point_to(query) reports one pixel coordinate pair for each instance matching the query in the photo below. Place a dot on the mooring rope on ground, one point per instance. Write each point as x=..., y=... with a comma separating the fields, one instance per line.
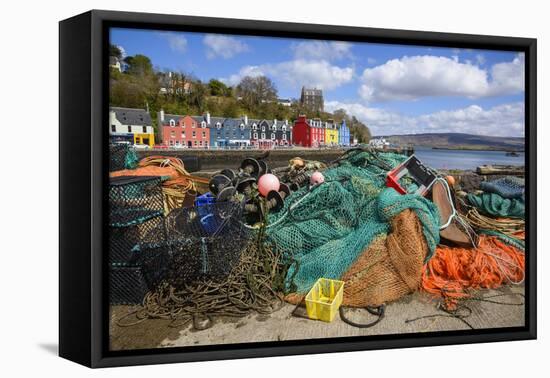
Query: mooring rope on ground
x=249, y=288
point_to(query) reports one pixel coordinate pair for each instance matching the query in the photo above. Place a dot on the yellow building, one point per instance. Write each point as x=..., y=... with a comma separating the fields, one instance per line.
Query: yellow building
x=331, y=134
x=129, y=123
x=141, y=138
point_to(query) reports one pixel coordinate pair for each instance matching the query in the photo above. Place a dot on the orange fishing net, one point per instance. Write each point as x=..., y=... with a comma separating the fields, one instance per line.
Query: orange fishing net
x=452, y=271
x=389, y=268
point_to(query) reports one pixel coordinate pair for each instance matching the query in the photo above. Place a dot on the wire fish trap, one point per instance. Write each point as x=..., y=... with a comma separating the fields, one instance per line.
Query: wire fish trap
x=127, y=285
x=194, y=244
x=134, y=199
x=122, y=156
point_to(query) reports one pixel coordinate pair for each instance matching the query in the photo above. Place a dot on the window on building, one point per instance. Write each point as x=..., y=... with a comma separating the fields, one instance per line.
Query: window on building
x=284, y=136
x=195, y=143
x=171, y=143
x=242, y=126
x=145, y=129
x=172, y=123
x=274, y=127
x=263, y=135
x=254, y=127
x=183, y=134
x=177, y=142
x=218, y=125
x=129, y=129
x=272, y=136
x=255, y=136
x=206, y=143
x=284, y=129
x=194, y=134
x=172, y=134
x=204, y=134
x=200, y=143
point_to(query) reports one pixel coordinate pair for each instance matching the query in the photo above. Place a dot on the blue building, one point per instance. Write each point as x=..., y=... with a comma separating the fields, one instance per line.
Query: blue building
x=344, y=138
x=226, y=132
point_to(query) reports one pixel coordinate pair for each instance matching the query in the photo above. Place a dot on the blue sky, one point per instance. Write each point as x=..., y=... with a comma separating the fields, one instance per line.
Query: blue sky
x=394, y=89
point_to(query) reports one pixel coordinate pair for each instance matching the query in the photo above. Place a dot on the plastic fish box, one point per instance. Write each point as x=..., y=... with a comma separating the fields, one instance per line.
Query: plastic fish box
x=324, y=299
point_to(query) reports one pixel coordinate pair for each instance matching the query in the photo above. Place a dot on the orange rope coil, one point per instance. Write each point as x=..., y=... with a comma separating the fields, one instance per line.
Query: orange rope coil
x=453, y=270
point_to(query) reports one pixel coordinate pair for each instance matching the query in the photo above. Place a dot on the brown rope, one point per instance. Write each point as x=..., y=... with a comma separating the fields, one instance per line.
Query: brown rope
x=248, y=288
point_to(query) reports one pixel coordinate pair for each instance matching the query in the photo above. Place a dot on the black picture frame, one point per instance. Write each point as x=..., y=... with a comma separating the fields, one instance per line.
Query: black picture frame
x=83, y=110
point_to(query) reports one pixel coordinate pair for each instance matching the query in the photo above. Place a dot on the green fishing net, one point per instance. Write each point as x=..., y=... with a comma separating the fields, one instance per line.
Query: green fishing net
x=324, y=229
x=495, y=205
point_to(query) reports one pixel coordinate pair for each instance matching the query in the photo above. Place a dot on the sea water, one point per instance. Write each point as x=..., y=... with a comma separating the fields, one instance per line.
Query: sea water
x=465, y=159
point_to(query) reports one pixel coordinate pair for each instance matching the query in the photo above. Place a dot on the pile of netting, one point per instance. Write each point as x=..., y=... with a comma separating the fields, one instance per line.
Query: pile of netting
x=326, y=228
x=454, y=271
x=504, y=197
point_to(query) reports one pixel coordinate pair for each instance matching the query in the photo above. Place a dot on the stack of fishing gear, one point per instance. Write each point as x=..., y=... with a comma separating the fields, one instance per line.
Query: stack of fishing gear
x=179, y=187
x=135, y=209
x=497, y=214
x=122, y=156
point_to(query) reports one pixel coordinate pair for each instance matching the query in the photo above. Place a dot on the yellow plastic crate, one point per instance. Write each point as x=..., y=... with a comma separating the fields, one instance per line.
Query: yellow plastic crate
x=324, y=299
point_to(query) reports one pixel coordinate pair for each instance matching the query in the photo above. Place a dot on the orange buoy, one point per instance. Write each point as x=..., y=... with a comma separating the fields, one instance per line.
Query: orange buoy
x=450, y=179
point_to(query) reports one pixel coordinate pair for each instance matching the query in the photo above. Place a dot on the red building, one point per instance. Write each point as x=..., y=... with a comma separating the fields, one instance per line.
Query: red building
x=182, y=131
x=308, y=133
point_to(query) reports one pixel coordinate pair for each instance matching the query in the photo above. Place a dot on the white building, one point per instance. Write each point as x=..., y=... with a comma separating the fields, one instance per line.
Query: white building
x=131, y=123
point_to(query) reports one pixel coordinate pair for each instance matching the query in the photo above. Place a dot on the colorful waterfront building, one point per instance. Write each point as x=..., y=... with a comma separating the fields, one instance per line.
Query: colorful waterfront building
x=267, y=134
x=182, y=131
x=344, y=135
x=308, y=133
x=331, y=133
x=131, y=125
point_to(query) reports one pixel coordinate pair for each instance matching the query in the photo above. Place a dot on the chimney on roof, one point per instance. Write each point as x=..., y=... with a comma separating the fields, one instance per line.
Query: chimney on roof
x=162, y=115
x=245, y=119
x=208, y=118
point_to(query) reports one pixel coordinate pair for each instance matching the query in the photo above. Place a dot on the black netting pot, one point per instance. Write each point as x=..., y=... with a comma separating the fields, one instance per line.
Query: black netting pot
x=121, y=156
x=198, y=243
x=127, y=285
x=123, y=241
x=134, y=199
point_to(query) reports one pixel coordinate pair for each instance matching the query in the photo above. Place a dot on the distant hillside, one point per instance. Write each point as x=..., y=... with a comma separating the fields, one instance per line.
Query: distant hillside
x=459, y=141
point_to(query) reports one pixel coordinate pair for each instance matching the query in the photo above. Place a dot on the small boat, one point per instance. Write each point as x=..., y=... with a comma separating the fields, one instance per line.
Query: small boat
x=512, y=153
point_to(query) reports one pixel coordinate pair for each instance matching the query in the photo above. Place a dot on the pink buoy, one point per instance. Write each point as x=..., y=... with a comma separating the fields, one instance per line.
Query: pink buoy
x=267, y=183
x=316, y=178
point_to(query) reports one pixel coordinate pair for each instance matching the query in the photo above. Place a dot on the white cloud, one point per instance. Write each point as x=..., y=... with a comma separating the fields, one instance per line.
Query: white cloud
x=480, y=59
x=323, y=50
x=295, y=73
x=177, y=42
x=122, y=52
x=410, y=78
x=500, y=120
x=508, y=77
x=223, y=46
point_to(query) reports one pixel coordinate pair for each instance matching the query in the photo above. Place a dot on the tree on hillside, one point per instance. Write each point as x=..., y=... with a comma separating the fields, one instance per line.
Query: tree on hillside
x=256, y=90
x=139, y=65
x=359, y=130
x=217, y=88
x=114, y=50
